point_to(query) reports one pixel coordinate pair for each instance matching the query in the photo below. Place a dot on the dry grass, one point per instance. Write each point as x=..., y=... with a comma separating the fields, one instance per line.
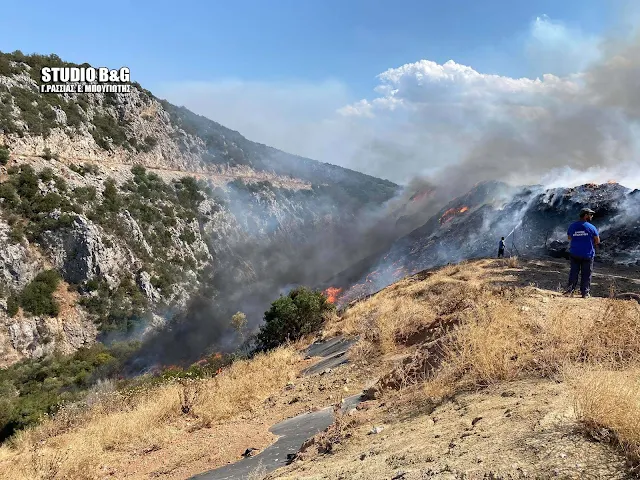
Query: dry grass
x=474, y=334
x=120, y=424
x=401, y=313
x=503, y=343
x=608, y=404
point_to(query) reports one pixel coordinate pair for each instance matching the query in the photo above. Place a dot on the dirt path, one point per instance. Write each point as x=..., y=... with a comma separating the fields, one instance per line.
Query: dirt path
x=215, y=177
x=551, y=274
x=292, y=433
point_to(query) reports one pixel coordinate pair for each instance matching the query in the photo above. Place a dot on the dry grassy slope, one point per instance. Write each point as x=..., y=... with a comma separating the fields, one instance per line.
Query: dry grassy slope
x=503, y=380
x=490, y=381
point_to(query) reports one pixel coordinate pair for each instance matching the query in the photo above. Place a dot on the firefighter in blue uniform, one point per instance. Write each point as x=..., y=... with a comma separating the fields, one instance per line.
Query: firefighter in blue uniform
x=583, y=238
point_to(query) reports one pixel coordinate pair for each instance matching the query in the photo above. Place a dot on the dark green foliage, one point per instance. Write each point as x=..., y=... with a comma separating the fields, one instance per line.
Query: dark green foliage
x=46, y=175
x=85, y=195
x=37, y=296
x=33, y=388
x=149, y=143
x=47, y=155
x=111, y=200
x=26, y=183
x=6, y=68
x=117, y=310
x=9, y=196
x=189, y=194
x=290, y=317
x=7, y=123
x=13, y=304
x=4, y=154
x=31, y=105
x=74, y=117
x=106, y=127
x=188, y=237
x=16, y=234
x=61, y=184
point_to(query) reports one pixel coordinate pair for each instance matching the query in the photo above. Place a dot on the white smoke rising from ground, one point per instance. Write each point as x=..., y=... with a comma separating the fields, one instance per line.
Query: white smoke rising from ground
x=555, y=130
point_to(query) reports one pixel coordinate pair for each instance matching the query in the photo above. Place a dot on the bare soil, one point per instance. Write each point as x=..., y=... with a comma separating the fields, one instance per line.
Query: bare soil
x=524, y=429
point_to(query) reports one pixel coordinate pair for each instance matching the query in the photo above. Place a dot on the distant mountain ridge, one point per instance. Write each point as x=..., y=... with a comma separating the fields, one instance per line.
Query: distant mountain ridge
x=152, y=131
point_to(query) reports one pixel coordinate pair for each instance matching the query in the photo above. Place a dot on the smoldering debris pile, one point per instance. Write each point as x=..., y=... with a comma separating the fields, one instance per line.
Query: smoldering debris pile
x=533, y=220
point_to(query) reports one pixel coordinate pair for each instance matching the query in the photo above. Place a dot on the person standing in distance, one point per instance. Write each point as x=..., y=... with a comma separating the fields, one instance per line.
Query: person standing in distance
x=583, y=238
x=501, y=247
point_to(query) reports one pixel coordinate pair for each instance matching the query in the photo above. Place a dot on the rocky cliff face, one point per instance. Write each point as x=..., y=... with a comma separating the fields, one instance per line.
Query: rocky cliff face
x=140, y=205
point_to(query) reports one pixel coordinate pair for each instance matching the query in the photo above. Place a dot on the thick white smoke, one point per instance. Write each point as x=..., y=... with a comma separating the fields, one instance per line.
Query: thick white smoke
x=460, y=126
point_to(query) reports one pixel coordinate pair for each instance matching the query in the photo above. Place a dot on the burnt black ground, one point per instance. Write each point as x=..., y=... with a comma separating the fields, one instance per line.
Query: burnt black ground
x=553, y=274
x=533, y=220
x=292, y=433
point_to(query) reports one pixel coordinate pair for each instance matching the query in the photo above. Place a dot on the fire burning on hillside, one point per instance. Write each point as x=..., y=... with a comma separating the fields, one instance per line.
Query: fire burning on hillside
x=452, y=212
x=332, y=294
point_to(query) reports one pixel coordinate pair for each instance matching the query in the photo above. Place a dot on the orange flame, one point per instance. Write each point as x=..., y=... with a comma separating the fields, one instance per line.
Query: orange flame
x=332, y=294
x=449, y=214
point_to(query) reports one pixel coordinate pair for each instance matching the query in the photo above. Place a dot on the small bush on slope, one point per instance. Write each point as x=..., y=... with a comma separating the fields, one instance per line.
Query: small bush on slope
x=4, y=155
x=290, y=317
x=37, y=296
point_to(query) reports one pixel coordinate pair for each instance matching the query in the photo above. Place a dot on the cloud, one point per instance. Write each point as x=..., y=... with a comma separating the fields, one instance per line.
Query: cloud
x=459, y=126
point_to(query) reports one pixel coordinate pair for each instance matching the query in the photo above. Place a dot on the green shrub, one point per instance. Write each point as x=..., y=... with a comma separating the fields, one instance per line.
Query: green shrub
x=106, y=127
x=111, y=199
x=4, y=154
x=26, y=182
x=117, y=310
x=47, y=155
x=16, y=234
x=188, y=237
x=290, y=317
x=46, y=175
x=37, y=296
x=13, y=304
x=31, y=388
x=84, y=195
x=149, y=143
x=9, y=194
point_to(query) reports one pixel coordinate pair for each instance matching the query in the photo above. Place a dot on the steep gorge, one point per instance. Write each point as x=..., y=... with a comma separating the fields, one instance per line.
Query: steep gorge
x=153, y=215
